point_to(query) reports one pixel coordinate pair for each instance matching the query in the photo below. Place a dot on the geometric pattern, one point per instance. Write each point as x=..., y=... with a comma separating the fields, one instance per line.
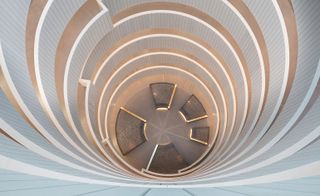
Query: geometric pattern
x=62, y=63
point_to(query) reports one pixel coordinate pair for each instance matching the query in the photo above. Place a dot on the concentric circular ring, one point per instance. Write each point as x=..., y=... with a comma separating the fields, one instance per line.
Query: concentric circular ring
x=69, y=68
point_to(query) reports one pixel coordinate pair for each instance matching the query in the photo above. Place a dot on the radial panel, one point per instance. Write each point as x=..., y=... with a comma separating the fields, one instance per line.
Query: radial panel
x=192, y=110
x=162, y=94
x=200, y=134
x=167, y=160
x=130, y=131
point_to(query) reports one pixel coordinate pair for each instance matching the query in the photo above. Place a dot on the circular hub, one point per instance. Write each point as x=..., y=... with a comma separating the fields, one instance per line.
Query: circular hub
x=162, y=130
x=165, y=124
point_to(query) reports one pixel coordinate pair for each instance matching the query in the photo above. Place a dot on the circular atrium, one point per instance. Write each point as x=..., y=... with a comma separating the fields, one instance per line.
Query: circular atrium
x=166, y=97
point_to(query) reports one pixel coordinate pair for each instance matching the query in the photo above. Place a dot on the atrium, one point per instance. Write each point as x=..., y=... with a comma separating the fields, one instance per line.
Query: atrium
x=160, y=97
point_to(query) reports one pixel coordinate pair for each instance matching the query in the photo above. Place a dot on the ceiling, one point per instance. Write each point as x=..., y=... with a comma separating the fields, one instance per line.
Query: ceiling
x=67, y=66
